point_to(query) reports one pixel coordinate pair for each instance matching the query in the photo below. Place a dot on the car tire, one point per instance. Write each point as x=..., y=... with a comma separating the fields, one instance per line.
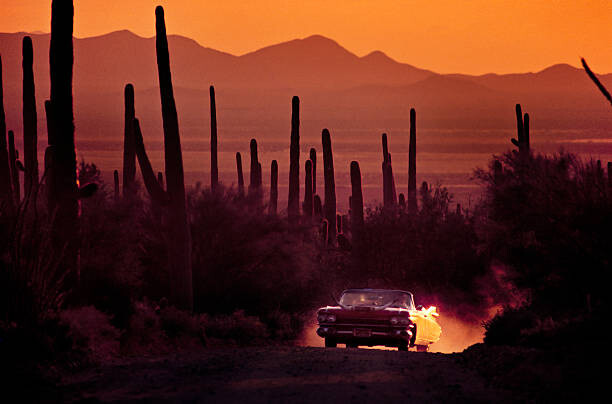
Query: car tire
x=403, y=347
x=352, y=345
x=422, y=348
x=330, y=343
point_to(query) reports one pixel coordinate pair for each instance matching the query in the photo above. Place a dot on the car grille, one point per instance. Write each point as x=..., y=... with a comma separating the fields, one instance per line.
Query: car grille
x=361, y=321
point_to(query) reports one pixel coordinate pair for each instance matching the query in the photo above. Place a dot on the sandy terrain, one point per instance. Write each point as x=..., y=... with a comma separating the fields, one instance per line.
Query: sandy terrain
x=283, y=374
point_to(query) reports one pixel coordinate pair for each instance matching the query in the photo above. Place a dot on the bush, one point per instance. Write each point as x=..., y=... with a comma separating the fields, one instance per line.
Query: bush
x=236, y=328
x=433, y=254
x=508, y=326
x=246, y=260
x=547, y=219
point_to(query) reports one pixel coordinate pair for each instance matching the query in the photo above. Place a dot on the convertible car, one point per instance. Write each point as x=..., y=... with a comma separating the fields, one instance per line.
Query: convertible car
x=370, y=317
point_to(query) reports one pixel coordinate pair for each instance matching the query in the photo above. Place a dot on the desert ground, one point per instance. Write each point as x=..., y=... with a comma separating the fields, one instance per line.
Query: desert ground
x=283, y=374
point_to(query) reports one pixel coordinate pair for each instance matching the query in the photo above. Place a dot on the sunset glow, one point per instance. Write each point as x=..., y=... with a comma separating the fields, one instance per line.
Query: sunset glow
x=446, y=36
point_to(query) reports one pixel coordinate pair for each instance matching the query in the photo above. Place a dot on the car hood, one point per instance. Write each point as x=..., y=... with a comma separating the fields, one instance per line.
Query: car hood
x=364, y=312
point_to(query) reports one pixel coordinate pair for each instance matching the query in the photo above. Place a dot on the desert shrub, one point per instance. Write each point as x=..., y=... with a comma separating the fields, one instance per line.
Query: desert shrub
x=547, y=219
x=434, y=254
x=110, y=249
x=246, y=260
x=507, y=326
x=237, y=327
x=93, y=331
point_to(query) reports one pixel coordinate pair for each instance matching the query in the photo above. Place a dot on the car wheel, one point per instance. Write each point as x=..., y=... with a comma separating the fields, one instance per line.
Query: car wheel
x=330, y=343
x=422, y=348
x=403, y=347
x=352, y=345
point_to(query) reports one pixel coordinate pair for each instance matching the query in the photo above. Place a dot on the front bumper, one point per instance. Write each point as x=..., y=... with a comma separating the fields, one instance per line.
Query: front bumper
x=366, y=335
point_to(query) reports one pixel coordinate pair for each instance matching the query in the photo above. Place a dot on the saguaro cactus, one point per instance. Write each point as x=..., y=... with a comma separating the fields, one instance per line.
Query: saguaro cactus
x=402, y=201
x=273, y=187
x=214, y=167
x=240, y=175
x=313, y=158
x=62, y=185
x=293, y=203
x=318, y=206
x=116, y=182
x=129, y=152
x=30, y=135
x=356, y=203
x=308, y=195
x=255, y=180
x=412, y=194
x=522, y=128
x=324, y=232
x=13, y=165
x=181, y=288
x=160, y=179
x=330, y=184
x=389, y=195
x=6, y=191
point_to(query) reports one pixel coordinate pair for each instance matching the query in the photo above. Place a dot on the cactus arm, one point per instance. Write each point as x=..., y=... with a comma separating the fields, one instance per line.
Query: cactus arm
x=152, y=185
x=595, y=80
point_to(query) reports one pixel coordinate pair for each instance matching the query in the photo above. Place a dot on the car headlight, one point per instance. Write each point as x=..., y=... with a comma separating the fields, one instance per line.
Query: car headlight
x=394, y=320
x=321, y=318
x=331, y=318
x=404, y=321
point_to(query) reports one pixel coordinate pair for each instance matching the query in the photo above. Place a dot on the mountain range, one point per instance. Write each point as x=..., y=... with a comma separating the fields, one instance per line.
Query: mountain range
x=338, y=89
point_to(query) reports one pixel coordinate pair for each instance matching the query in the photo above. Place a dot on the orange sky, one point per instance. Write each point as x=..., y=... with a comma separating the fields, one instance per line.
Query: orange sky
x=467, y=36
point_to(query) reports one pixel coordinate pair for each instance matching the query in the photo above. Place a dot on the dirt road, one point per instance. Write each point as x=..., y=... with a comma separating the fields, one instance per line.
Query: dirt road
x=283, y=374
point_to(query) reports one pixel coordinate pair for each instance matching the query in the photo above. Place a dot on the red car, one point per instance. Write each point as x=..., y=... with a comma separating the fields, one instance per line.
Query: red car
x=371, y=317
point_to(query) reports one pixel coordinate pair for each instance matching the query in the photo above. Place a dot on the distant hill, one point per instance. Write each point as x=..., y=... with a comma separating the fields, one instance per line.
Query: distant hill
x=338, y=89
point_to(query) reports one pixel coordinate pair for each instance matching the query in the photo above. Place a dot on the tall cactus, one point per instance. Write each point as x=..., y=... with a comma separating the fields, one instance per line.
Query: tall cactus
x=389, y=196
x=116, y=183
x=179, y=254
x=6, y=190
x=318, y=206
x=160, y=179
x=356, y=203
x=522, y=128
x=240, y=175
x=62, y=183
x=273, y=188
x=330, y=184
x=308, y=195
x=412, y=193
x=313, y=158
x=255, y=175
x=392, y=182
x=13, y=165
x=293, y=203
x=30, y=135
x=526, y=130
x=129, y=152
x=214, y=167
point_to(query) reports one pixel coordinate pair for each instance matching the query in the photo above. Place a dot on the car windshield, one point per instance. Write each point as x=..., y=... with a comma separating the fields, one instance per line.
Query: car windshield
x=377, y=299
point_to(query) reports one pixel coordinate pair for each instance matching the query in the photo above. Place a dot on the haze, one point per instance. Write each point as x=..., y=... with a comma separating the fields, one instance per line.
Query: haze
x=475, y=37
